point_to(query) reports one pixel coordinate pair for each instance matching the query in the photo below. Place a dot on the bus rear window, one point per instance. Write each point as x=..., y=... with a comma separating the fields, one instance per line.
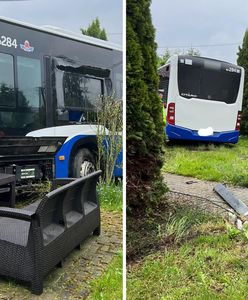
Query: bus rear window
x=208, y=80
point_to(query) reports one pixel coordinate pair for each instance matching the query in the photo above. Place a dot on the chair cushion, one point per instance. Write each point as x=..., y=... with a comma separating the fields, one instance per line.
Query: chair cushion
x=51, y=232
x=72, y=217
x=89, y=207
x=14, y=231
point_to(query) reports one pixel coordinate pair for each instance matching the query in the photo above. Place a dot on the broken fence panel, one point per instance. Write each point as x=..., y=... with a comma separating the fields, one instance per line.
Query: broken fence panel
x=234, y=202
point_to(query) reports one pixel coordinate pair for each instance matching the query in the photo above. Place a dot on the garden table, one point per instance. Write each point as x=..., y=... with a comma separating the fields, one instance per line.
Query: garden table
x=7, y=190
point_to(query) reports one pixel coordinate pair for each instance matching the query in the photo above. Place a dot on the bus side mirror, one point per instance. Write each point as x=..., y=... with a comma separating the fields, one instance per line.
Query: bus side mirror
x=165, y=104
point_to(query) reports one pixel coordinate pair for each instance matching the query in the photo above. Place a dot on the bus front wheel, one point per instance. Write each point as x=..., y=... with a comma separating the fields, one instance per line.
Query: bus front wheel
x=83, y=164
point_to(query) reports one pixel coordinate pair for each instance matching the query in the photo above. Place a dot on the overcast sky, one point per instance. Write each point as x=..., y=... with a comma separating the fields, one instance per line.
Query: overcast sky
x=201, y=22
x=68, y=14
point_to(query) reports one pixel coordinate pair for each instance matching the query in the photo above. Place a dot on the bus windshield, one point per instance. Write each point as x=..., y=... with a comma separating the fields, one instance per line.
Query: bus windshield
x=22, y=108
x=207, y=79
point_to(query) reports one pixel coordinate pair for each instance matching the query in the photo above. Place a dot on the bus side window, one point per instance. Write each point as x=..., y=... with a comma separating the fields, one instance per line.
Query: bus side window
x=81, y=91
x=7, y=92
x=108, y=86
x=164, y=82
x=78, y=91
x=82, y=96
x=31, y=113
x=118, y=83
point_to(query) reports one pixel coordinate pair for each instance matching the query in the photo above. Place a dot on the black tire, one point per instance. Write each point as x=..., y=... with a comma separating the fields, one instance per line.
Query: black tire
x=83, y=155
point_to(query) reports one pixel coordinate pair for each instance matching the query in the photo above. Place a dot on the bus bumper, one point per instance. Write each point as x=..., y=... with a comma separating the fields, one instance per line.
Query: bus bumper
x=174, y=132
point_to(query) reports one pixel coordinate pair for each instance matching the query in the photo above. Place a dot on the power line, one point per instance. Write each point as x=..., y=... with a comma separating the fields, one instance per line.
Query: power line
x=114, y=33
x=200, y=46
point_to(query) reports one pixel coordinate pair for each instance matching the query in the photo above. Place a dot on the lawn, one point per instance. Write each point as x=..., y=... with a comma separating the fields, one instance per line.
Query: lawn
x=199, y=258
x=178, y=252
x=224, y=163
x=109, y=285
x=110, y=196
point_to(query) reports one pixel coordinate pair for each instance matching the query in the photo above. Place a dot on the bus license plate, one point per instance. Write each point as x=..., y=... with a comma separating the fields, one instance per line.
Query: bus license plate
x=27, y=173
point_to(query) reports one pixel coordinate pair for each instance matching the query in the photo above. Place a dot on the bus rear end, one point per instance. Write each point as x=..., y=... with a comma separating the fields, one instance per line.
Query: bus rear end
x=204, y=100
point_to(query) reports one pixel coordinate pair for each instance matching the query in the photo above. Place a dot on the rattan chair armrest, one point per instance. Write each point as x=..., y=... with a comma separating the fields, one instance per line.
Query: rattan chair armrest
x=16, y=213
x=60, y=182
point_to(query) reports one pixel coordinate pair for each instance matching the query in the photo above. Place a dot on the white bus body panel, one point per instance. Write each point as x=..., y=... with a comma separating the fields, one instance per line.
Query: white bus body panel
x=68, y=131
x=200, y=114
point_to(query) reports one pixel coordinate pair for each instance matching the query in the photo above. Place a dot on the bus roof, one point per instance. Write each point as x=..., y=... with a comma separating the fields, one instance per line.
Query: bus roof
x=64, y=33
x=193, y=56
x=203, y=57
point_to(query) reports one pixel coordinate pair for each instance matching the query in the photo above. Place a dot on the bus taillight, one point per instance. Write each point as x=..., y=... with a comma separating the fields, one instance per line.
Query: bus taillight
x=171, y=113
x=238, y=121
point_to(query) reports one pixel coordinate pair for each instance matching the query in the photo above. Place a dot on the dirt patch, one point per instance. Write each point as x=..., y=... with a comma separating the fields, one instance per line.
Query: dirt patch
x=143, y=236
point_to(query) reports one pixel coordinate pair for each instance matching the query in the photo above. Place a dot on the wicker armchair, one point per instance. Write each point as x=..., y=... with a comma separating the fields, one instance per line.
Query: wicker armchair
x=35, y=239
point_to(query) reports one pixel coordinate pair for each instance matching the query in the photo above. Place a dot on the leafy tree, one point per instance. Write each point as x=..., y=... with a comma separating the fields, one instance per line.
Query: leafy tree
x=194, y=52
x=145, y=134
x=94, y=30
x=243, y=61
x=163, y=58
x=109, y=128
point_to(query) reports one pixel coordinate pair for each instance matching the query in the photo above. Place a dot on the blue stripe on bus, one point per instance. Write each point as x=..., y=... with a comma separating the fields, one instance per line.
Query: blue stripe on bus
x=118, y=166
x=174, y=132
x=62, y=166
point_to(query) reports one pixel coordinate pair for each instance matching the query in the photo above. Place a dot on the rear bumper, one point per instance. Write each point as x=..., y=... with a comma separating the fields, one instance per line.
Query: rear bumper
x=174, y=132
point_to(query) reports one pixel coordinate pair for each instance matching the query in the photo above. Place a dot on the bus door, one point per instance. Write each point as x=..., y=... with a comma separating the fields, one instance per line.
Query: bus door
x=164, y=74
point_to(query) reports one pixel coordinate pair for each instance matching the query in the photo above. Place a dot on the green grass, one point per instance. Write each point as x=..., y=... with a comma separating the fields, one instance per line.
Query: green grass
x=184, y=253
x=178, y=225
x=166, y=225
x=209, y=263
x=110, y=196
x=224, y=163
x=109, y=285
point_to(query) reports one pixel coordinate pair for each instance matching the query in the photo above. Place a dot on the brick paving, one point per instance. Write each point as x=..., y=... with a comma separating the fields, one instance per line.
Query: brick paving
x=79, y=269
x=200, y=194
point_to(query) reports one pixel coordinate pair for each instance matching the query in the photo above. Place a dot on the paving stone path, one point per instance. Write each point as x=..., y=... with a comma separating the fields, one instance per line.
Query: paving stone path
x=80, y=267
x=200, y=194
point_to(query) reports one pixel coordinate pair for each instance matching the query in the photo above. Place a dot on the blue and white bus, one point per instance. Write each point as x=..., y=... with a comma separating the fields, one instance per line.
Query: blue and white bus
x=51, y=81
x=203, y=97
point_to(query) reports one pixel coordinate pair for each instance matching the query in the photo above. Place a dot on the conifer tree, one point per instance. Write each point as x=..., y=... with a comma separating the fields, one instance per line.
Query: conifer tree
x=145, y=133
x=94, y=30
x=243, y=61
